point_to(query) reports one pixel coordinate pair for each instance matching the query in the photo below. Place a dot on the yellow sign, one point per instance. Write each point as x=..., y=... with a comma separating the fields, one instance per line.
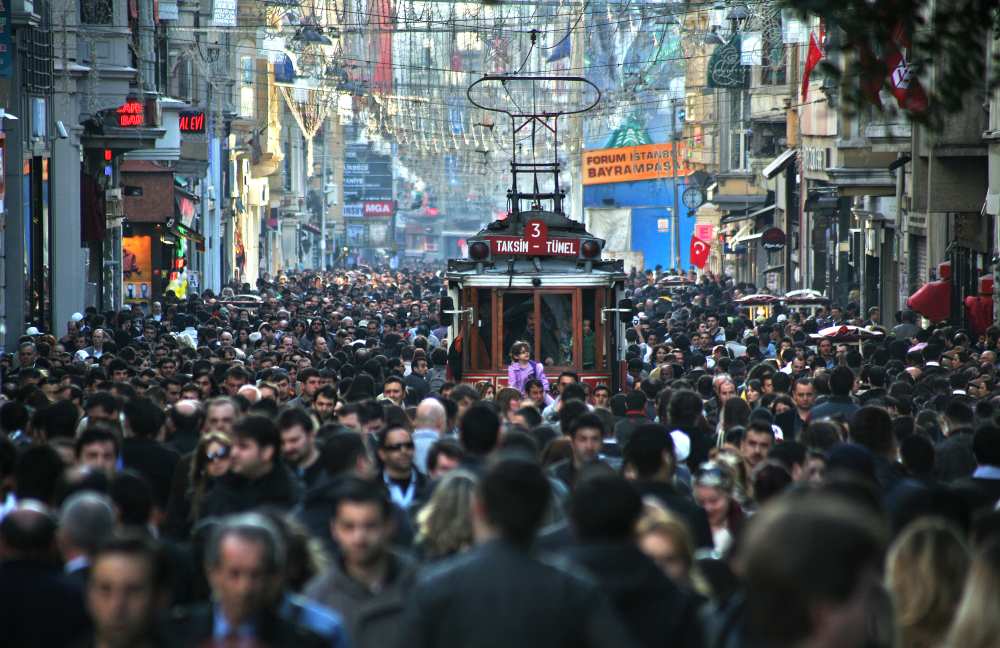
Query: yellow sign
x=631, y=163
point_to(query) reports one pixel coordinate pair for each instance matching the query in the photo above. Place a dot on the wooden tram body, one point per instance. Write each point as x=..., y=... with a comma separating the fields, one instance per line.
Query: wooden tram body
x=537, y=276
x=565, y=306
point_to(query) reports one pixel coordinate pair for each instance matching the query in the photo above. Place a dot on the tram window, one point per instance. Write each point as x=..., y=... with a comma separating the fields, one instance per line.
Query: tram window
x=518, y=321
x=483, y=330
x=590, y=318
x=555, y=331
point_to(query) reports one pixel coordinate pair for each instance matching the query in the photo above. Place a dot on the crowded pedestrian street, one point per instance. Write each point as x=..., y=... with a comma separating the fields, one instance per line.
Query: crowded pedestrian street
x=499, y=324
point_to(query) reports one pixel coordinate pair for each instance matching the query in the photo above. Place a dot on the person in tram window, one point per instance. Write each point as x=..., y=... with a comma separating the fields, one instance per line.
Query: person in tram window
x=522, y=368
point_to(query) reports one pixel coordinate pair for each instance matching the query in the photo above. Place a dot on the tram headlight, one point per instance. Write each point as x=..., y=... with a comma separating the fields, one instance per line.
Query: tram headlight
x=479, y=251
x=590, y=249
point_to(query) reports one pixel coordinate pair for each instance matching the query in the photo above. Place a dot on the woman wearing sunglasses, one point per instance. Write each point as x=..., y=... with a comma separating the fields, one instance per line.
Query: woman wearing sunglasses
x=211, y=461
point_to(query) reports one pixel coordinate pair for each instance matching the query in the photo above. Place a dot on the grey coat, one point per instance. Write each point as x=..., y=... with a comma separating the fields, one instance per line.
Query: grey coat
x=373, y=619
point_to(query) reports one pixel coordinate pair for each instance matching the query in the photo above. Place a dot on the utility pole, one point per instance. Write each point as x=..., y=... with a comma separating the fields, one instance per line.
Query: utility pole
x=676, y=224
x=578, y=42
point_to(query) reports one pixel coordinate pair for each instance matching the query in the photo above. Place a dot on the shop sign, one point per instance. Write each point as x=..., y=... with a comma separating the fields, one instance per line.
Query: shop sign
x=773, y=239
x=192, y=121
x=131, y=114
x=516, y=246
x=377, y=208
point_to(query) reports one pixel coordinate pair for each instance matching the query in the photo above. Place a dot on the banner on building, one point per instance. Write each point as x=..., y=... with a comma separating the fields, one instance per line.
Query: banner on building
x=224, y=13
x=137, y=268
x=632, y=163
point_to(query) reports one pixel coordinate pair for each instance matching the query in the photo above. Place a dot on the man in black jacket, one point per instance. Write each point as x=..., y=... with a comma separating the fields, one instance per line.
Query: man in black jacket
x=604, y=511
x=33, y=589
x=650, y=454
x=258, y=477
x=498, y=595
x=142, y=452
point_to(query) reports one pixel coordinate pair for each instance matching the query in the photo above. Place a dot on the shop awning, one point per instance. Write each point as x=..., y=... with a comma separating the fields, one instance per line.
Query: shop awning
x=745, y=235
x=761, y=211
x=773, y=269
x=738, y=201
x=309, y=227
x=778, y=164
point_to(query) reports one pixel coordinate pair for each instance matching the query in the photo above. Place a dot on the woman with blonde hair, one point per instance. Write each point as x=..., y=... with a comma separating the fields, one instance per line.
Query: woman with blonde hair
x=666, y=539
x=977, y=621
x=444, y=524
x=925, y=570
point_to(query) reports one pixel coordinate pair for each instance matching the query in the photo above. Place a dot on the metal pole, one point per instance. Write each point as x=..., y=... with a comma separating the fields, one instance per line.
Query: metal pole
x=676, y=224
x=322, y=211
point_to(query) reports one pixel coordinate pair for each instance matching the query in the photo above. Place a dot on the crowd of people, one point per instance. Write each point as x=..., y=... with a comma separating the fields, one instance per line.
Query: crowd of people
x=304, y=467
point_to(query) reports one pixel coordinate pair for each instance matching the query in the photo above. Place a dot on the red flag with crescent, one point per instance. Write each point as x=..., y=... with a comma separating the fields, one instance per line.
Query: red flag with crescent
x=699, y=252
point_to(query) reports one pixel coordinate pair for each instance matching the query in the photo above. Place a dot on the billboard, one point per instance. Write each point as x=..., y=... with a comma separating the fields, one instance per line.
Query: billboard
x=631, y=163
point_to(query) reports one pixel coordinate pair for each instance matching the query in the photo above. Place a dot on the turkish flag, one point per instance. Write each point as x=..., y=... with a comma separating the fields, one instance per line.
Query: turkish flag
x=812, y=60
x=699, y=252
x=905, y=86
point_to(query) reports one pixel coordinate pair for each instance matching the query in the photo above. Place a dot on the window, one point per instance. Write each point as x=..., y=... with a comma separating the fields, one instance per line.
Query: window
x=518, y=322
x=592, y=350
x=555, y=330
x=96, y=12
x=247, y=94
x=481, y=331
x=739, y=132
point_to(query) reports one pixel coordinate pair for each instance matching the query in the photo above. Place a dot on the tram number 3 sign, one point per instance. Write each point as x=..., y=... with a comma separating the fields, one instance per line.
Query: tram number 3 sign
x=537, y=234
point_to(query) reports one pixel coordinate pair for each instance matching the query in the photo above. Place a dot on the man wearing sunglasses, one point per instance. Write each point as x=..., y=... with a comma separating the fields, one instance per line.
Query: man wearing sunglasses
x=405, y=483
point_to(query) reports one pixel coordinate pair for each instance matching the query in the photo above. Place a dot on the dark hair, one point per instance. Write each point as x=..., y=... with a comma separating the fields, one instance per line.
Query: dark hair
x=871, y=427
x=587, y=420
x=574, y=391
x=685, y=408
x=479, y=429
x=292, y=416
x=569, y=412
x=259, y=429
x=986, y=445
x=789, y=454
x=136, y=545
x=821, y=435
x=132, y=495
x=355, y=490
x=37, y=473
x=95, y=433
x=57, y=420
x=770, y=480
x=447, y=447
x=515, y=495
x=342, y=449
x=917, y=454
x=530, y=415
x=841, y=381
x=105, y=400
x=604, y=507
x=645, y=447
x=143, y=417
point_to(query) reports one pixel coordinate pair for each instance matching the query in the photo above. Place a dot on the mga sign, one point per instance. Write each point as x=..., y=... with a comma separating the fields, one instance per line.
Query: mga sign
x=378, y=208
